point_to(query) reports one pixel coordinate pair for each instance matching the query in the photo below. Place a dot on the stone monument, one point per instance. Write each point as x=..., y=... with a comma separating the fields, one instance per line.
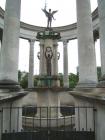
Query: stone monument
x=48, y=54
x=48, y=57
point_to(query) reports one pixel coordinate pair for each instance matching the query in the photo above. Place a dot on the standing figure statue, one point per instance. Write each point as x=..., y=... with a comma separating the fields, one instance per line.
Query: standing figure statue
x=49, y=16
x=48, y=56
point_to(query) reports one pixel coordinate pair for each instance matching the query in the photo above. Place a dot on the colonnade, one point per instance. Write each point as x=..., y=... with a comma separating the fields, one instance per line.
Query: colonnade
x=86, y=49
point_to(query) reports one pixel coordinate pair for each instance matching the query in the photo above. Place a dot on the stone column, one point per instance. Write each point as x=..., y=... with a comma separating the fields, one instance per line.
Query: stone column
x=0, y=45
x=86, y=49
x=1, y=34
x=31, y=65
x=101, y=10
x=10, y=44
x=65, y=63
x=42, y=64
x=55, y=58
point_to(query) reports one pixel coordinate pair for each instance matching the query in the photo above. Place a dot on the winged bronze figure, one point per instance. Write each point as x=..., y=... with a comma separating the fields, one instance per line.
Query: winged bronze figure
x=50, y=15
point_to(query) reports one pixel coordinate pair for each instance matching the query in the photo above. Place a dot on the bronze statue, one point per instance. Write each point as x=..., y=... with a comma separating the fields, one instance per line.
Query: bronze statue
x=49, y=16
x=48, y=56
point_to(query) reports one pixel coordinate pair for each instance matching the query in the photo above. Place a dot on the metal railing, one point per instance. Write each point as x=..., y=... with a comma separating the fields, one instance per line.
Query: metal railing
x=32, y=118
x=47, y=123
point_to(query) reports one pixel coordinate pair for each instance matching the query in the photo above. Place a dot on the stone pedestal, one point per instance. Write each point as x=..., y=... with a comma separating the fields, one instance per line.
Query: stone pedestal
x=12, y=119
x=48, y=81
x=48, y=57
x=48, y=52
x=47, y=99
x=11, y=114
x=84, y=115
x=94, y=100
x=48, y=104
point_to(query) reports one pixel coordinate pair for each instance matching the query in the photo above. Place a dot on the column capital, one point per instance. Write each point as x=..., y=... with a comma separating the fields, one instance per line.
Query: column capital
x=65, y=42
x=32, y=40
x=41, y=45
x=55, y=44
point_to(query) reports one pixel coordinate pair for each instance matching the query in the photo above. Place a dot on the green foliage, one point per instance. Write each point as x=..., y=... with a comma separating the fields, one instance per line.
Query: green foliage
x=24, y=81
x=99, y=72
x=61, y=79
x=35, y=82
x=73, y=80
x=19, y=75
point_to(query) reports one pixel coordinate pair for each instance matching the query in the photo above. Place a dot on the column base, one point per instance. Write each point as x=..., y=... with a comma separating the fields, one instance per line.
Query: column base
x=86, y=85
x=66, y=85
x=66, y=81
x=101, y=83
x=9, y=85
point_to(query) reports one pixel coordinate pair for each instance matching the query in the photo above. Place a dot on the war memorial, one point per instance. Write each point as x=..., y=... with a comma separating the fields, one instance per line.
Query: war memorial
x=36, y=113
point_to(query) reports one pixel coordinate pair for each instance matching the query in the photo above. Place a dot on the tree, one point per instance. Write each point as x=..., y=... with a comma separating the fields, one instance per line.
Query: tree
x=99, y=73
x=19, y=76
x=24, y=79
x=73, y=80
x=61, y=79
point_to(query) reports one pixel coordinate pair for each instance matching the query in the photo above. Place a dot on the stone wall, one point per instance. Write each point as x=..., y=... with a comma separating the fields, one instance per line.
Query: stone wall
x=93, y=99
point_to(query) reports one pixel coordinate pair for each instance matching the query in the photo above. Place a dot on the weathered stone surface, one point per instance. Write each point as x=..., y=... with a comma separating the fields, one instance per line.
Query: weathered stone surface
x=10, y=43
x=86, y=48
x=31, y=65
x=65, y=64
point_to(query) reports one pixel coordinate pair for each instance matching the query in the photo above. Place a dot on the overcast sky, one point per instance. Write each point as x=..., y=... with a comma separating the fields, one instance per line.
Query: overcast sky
x=31, y=13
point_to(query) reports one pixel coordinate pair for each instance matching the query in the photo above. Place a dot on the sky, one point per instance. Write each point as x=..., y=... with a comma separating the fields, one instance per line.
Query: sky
x=31, y=13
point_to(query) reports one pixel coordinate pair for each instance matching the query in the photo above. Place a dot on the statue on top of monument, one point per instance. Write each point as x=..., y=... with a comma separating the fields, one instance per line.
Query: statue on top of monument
x=50, y=15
